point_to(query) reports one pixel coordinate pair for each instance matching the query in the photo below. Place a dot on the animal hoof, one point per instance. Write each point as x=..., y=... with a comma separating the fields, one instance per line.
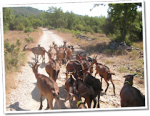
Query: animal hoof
x=40, y=107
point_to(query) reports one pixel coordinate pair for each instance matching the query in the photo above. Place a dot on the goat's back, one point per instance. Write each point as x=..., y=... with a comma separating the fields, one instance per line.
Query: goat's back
x=92, y=81
x=73, y=65
x=130, y=96
x=83, y=87
x=45, y=85
x=38, y=50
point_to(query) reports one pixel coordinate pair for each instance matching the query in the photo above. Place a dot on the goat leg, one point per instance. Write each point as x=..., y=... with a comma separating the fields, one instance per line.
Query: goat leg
x=113, y=85
x=58, y=103
x=50, y=101
x=98, y=93
x=107, y=84
x=47, y=104
x=40, y=102
x=94, y=102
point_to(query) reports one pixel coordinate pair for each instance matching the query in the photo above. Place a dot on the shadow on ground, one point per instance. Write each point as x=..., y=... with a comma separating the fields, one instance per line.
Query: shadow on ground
x=35, y=94
x=63, y=96
x=16, y=107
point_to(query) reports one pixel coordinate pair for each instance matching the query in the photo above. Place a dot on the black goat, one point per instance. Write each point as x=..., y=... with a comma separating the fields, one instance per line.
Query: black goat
x=131, y=96
x=95, y=83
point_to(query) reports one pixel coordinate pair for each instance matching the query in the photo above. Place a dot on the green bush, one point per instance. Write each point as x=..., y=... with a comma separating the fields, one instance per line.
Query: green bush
x=28, y=29
x=13, y=56
x=50, y=27
x=20, y=27
x=29, y=39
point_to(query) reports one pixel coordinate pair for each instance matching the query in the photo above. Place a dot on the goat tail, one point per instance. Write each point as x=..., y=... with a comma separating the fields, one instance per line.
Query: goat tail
x=112, y=73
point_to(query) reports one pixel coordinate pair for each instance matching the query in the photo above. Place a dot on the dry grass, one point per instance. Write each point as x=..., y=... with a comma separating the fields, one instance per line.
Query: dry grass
x=12, y=36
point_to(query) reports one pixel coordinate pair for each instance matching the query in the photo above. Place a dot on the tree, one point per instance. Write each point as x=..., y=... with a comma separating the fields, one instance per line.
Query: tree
x=7, y=17
x=27, y=23
x=123, y=14
x=36, y=23
x=60, y=23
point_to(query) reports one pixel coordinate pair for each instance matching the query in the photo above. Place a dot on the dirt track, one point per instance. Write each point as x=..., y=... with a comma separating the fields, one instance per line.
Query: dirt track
x=26, y=96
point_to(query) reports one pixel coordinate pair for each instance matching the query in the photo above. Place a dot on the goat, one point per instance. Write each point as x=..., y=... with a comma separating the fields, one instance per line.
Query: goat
x=69, y=84
x=52, y=68
x=47, y=88
x=36, y=51
x=86, y=64
x=72, y=48
x=131, y=96
x=74, y=66
x=68, y=53
x=94, y=83
x=82, y=87
x=51, y=52
x=105, y=73
x=61, y=55
x=79, y=57
x=64, y=46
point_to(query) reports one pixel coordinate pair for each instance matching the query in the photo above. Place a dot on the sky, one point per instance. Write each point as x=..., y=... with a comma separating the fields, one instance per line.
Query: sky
x=82, y=8
x=77, y=8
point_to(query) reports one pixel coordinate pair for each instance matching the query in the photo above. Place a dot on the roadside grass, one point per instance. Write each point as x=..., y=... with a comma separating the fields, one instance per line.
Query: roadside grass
x=14, y=56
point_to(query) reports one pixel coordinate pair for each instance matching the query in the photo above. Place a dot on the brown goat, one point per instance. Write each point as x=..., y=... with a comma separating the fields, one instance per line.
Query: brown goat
x=82, y=87
x=47, y=88
x=105, y=73
x=131, y=96
x=74, y=67
x=64, y=46
x=36, y=51
x=86, y=64
x=61, y=55
x=69, y=84
x=68, y=53
x=51, y=53
x=52, y=68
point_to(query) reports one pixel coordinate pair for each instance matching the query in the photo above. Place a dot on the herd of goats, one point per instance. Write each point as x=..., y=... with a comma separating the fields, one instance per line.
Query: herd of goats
x=79, y=80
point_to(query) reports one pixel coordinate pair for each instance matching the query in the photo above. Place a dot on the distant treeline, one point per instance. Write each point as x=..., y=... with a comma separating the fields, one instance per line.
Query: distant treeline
x=124, y=22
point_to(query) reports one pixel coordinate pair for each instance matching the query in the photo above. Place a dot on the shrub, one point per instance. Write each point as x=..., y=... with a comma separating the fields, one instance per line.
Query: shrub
x=28, y=29
x=20, y=27
x=29, y=39
x=14, y=57
x=50, y=27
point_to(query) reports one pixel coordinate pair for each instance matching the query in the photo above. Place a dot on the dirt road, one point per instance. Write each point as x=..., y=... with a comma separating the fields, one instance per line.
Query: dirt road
x=26, y=96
